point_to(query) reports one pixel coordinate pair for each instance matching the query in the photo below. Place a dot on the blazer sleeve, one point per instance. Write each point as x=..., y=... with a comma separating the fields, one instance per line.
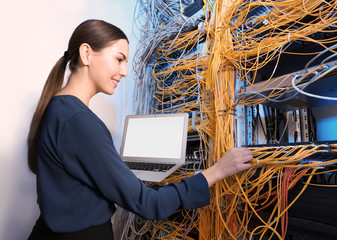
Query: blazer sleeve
x=88, y=154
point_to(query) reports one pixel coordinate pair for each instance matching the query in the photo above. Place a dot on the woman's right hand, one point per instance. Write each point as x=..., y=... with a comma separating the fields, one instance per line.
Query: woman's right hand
x=234, y=161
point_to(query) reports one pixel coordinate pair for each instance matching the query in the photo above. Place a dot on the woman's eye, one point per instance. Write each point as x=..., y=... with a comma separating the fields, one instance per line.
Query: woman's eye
x=119, y=60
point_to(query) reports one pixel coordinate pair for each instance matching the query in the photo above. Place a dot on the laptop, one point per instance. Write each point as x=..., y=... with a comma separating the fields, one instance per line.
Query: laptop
x=154, y=145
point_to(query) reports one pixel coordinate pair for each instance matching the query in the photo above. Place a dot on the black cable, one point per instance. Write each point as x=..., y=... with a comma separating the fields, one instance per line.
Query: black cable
x=255, y=122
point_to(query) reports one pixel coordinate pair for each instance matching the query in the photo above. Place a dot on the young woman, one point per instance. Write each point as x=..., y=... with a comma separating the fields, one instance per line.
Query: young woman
x=80, y=175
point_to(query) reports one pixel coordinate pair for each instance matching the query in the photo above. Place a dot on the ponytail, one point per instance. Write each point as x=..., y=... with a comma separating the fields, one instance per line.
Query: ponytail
x=53, y=84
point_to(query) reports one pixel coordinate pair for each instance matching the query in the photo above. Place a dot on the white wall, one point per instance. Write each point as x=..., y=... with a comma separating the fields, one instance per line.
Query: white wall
x=34, y=35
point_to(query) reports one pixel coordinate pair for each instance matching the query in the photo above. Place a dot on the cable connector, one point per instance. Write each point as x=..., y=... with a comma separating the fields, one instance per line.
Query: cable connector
x=200, y=28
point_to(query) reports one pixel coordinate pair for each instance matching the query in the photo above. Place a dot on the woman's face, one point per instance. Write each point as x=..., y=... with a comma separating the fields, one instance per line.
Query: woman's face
x=108, y=66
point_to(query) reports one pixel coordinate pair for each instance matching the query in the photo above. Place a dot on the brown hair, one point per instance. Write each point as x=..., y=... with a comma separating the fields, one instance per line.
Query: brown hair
x=98, y=34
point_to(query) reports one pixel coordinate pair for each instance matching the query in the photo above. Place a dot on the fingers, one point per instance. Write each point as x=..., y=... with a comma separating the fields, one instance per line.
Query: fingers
x=234, y=161
x=242, y=150
x=242, y=154
x=242, y=158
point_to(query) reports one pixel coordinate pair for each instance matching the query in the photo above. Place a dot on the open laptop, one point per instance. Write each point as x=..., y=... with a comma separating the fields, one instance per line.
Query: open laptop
x=154, y=146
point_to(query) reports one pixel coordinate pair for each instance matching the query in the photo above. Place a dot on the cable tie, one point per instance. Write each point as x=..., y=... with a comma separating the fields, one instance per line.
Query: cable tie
x=289, y=36
x=257, y=161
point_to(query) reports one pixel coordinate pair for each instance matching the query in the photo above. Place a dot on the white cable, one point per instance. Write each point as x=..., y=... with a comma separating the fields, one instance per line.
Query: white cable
x=310, y=94
x=318, y=55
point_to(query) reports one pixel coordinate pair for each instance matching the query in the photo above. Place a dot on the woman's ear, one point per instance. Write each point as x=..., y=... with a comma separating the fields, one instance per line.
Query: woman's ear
x=84, y=52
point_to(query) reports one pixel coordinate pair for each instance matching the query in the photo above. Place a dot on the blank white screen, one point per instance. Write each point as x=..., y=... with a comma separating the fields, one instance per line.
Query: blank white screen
x=156, y=137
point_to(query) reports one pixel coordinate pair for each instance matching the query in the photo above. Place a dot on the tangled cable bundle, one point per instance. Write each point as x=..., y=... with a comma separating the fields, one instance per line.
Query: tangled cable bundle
x=196, y=66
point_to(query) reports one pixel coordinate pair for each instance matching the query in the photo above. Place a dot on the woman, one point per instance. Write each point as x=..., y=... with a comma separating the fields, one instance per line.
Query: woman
x=79, y=172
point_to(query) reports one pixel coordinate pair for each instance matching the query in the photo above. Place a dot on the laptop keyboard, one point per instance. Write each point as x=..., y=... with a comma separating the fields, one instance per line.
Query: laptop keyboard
x=156, y=167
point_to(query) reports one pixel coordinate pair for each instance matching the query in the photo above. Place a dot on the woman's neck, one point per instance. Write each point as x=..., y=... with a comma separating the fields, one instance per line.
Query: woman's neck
x=78, y=86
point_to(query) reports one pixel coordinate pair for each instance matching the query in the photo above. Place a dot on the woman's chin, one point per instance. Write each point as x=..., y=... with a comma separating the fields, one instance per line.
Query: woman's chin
x=109, y=91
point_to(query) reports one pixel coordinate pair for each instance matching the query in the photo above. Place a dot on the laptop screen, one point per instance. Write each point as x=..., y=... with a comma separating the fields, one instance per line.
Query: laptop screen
x=156, y=137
